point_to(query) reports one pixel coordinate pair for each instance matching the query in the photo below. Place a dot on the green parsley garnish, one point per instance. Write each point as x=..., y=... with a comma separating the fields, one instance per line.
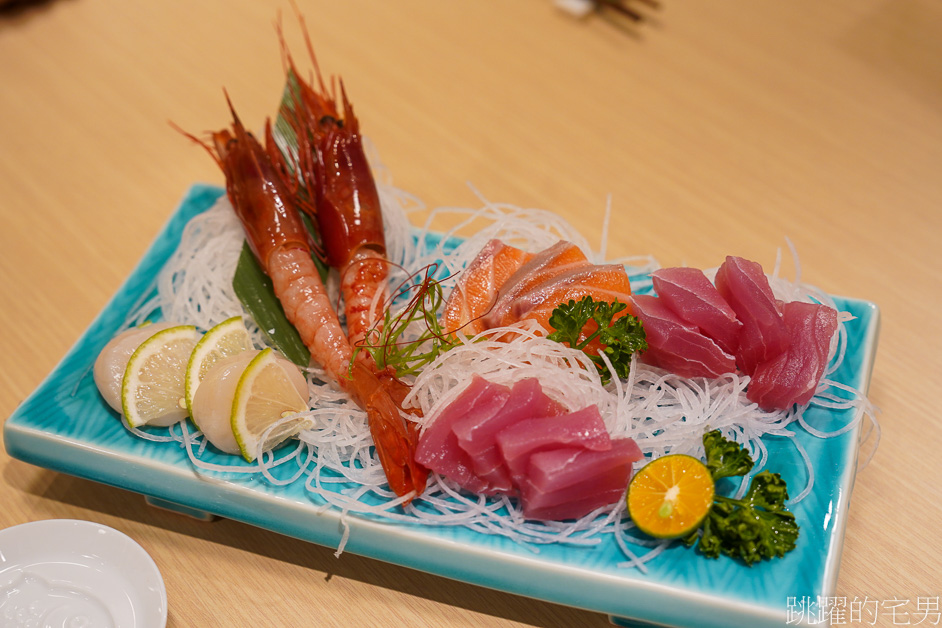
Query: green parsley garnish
x=620, y=339
x=756, y=527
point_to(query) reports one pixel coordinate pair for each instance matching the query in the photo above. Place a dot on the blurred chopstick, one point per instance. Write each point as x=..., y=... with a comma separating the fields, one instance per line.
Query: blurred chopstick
x=582, y=8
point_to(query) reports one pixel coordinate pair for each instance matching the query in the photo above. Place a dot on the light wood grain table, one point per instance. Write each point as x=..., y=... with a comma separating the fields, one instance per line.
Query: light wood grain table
x=713, y=128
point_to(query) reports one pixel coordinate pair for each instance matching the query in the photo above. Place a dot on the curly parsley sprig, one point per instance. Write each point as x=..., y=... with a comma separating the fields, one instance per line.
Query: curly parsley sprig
x=754, y=528
x=620, y=339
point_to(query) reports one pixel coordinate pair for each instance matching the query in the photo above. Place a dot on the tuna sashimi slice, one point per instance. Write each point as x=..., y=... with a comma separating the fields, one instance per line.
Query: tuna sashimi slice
x=793, y=376
x=691, y=296
x=746, y=288
x=583, y=429
x=678, y=346
x=438, y=447
x=582, y=503
x=478, y=285
x=568, y=483
x=558, y=258
x=477, y=436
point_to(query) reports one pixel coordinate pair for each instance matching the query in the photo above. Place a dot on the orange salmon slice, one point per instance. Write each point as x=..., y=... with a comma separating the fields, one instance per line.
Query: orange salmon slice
x=504, y=285
x=603, y=283
x=560, y=258
x=478, y=286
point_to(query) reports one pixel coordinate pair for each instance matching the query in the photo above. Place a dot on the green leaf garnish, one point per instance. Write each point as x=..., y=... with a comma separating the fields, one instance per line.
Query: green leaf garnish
x=754, y=528
x=725, y=458
x=255, y=292
x=388, y=343
x=619, y=339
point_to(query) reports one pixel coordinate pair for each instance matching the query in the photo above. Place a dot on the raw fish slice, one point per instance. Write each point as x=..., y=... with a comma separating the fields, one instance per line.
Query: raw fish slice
x=578, y=507
x=793, y=376
x=583, y=429
x=568, y=483
x=746, y=288
x=694, y=299
x=676, y=345
x=477, y=288
x=478, y=438
x=603, y=283
x=562, y=467
x=438, y=448
x=558, y=258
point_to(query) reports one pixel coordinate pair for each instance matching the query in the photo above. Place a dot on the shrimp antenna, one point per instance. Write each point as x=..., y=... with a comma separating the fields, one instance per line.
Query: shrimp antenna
x=310, y=46
x=205, y=144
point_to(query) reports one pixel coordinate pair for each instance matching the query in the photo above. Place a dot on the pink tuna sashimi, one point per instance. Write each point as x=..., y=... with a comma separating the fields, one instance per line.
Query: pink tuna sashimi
x=676, y=345
x=690, y=295
x=793, y=376
x=746, y=288
x=583, y=429
x=568, y=483
x=478, y=436
x=438, y=447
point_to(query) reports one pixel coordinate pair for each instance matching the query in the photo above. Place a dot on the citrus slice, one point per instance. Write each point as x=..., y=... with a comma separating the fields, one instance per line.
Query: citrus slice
x=269, y=391
x=152, y=389
x=228, y=338
x=670, y=496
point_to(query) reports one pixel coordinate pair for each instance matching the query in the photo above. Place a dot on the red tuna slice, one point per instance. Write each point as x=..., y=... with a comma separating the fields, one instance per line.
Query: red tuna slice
x=568, y=483
x=793, y=376
x=438, y=447
x=547, y=263
x=746, y=288
x=517, y=443
x=694, y=299
x=478, y=285
x=478, y=436
x=676, y=345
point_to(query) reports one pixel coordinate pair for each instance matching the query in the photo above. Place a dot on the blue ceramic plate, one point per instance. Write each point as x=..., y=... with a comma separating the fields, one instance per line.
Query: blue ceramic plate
x=66, y=426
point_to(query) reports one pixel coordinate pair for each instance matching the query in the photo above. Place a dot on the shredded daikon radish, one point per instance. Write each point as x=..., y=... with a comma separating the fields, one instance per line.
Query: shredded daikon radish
x=335, y=459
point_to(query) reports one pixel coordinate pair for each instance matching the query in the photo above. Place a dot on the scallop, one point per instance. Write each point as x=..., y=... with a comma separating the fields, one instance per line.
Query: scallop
x=212, y=403
x=113, y=360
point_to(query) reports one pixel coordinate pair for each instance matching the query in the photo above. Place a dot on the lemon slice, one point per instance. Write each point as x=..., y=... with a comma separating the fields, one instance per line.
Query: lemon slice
x=270, y=390
x=153, y=389
x=228, y=338
x=669, y=497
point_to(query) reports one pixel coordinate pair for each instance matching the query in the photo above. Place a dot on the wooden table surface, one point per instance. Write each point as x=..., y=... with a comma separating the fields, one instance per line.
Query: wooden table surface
x=714, y=128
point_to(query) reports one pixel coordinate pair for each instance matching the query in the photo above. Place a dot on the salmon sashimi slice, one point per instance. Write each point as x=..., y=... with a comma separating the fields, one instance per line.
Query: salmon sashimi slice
x=504, y=285
x=477, y=288
x=546, y=264
x=608, y=282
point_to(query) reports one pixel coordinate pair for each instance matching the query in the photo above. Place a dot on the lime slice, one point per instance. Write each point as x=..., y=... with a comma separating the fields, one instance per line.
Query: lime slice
x=670, y=496
x=152, y=390
x=226, y=339
x=269, y=391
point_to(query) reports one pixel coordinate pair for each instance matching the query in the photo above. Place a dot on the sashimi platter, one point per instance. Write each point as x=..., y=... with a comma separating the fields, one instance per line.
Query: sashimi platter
x=495, y=402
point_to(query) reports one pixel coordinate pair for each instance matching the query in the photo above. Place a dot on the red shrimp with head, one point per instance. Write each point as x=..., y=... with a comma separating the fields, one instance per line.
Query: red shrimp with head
x=332, y=165
x=267, y=207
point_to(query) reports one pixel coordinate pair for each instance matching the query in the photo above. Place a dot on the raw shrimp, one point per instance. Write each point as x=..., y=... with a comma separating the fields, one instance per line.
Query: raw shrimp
x=333, y=167
x=267, y=209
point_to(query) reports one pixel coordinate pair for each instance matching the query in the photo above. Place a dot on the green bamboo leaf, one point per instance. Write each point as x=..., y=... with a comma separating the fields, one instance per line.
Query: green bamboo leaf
x=257, y=296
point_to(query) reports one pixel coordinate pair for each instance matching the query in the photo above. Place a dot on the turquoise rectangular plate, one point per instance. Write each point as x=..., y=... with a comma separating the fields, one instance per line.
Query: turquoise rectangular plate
x=66, y=426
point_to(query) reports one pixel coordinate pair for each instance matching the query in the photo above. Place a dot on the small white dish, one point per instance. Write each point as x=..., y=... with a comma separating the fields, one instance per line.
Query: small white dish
x=64, y=572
